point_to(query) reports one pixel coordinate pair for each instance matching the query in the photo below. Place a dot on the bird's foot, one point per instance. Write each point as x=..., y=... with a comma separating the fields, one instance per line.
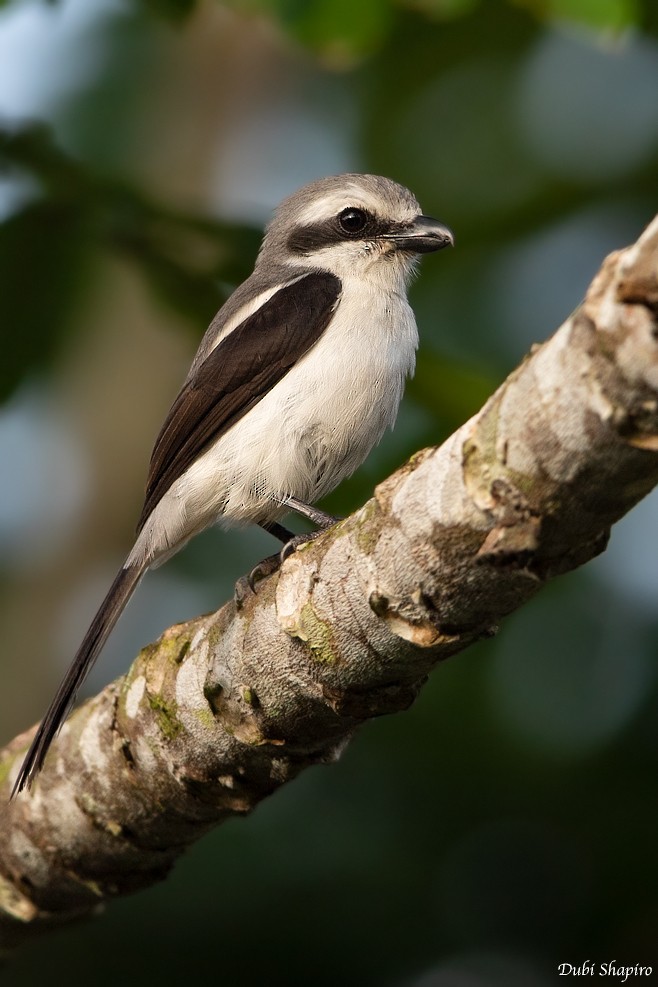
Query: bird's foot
x=272, y=564
x=298, y=540
x=247, y=584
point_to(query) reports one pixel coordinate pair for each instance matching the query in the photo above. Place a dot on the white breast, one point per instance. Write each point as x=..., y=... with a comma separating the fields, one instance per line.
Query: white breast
x=313, y=429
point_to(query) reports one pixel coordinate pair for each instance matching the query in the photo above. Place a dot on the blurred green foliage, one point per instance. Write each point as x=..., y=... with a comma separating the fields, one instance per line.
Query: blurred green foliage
x=325, y=23
x=507, y=823
x=77, y=211
x=612, y=15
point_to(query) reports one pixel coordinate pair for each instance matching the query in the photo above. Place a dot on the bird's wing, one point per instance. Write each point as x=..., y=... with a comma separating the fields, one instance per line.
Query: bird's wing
x=237, y=373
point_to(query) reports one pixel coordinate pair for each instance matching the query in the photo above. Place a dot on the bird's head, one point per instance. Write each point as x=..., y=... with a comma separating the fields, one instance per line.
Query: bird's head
x=352, y=225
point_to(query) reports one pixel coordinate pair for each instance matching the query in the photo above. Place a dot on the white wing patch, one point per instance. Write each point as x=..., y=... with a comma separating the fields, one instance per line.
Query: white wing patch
x=249, y=308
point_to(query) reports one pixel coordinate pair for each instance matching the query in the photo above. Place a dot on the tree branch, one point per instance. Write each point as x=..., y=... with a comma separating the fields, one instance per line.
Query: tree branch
x=224, y=709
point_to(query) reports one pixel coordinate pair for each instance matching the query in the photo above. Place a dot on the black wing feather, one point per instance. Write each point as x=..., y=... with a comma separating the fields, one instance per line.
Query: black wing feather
x=240, y=371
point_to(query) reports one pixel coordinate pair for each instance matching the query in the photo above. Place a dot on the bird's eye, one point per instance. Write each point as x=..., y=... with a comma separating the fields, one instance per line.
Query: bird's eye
x=352, y=220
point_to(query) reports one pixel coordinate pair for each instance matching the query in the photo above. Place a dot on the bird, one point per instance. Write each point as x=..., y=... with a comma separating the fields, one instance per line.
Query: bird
x=298, y=376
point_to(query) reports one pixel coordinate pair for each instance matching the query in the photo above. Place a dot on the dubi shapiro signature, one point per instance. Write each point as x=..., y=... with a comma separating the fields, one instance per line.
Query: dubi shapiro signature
x=611, y=969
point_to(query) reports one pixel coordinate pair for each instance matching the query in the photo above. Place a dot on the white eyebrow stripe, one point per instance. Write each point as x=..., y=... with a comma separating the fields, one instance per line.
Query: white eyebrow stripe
x=333, y=202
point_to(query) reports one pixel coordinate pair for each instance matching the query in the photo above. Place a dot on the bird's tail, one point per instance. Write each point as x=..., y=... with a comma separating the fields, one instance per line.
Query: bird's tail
x=108, y=613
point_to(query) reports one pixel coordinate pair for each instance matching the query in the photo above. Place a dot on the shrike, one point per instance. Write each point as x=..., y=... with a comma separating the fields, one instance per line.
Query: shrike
x=297, y=378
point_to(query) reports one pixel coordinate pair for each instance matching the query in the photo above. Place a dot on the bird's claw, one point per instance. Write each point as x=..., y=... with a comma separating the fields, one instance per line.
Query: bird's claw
x=297, y=541
x=270, y=565
x=247, y=584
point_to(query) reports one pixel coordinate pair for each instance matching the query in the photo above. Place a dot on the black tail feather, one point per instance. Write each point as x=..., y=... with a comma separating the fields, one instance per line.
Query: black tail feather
x=109, y=612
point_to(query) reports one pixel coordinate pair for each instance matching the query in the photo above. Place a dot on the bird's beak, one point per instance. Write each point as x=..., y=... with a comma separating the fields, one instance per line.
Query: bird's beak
x=422, y=235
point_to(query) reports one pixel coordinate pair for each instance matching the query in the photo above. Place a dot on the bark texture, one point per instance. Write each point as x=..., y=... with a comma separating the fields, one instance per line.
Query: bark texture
x=223, y=709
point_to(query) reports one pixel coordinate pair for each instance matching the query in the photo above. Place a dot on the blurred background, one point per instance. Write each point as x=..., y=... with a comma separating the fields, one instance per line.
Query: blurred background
x=506, y=823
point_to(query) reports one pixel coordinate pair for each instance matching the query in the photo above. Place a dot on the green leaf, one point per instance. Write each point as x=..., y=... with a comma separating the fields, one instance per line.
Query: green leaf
x=612, y=15
x=340, y=30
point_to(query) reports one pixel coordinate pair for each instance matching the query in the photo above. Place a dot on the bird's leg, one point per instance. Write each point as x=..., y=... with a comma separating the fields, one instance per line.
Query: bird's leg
x=314, y=514
x=267, y=566
x=291, y=542
x=283, y=534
